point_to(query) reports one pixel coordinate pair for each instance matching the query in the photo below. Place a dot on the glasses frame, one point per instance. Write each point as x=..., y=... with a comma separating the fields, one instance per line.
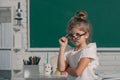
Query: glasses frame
x=70, y=36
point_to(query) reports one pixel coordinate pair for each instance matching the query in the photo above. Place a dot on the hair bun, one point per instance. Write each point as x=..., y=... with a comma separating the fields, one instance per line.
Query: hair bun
x=81, y=15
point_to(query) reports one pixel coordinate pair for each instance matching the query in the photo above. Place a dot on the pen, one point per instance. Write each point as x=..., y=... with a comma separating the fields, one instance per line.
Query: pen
x=32, y=60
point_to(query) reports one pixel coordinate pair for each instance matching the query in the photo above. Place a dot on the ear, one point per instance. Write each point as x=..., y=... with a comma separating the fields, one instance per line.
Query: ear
x=87, y=35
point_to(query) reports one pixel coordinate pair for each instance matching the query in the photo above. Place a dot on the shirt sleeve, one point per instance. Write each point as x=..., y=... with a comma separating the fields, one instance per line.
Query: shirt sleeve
x=89, y=52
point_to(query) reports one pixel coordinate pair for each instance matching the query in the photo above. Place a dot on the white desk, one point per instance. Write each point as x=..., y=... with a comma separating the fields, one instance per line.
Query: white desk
x=32, y=73
x=42, y=77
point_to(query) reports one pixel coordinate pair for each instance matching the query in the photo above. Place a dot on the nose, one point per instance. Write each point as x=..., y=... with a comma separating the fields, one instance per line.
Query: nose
x=75, y=37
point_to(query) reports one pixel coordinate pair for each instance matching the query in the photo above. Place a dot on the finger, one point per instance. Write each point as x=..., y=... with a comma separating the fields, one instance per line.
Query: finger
x=66, y=35
x=63, y=40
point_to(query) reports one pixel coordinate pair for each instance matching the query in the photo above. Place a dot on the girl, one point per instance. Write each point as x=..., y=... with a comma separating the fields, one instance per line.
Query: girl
x=81, y=61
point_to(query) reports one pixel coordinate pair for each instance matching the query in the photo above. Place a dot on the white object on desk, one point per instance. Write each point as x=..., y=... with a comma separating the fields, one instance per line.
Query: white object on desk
x=31, y=71
x=48, y=69
x=53, y=61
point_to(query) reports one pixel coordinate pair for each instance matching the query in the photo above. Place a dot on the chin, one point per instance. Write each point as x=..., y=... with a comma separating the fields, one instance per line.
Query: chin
x=76, y=44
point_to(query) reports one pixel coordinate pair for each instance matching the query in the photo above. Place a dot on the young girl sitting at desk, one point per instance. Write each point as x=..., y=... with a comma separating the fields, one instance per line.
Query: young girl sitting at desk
x=81, y=61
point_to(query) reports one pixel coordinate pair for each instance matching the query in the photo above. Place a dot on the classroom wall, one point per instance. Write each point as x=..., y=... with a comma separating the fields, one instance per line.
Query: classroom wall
x=109, y=60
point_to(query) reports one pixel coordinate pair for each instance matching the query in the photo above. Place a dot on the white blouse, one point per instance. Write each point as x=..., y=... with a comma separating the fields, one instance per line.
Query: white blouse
x=73, y=57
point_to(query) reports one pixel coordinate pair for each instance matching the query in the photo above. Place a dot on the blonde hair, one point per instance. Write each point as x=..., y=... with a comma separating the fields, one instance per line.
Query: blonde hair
x=80, y=18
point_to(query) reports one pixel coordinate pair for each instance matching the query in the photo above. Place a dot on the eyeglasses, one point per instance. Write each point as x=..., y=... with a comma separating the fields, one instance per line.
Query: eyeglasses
x=76, y=35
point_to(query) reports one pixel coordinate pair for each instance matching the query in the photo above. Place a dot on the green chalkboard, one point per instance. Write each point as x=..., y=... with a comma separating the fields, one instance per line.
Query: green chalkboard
x=48, y=21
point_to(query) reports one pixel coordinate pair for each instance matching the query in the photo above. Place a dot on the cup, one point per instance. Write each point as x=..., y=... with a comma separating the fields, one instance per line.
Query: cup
x=31, y=71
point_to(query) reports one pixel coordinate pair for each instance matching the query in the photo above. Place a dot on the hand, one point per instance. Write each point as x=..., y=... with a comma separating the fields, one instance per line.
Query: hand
x=63, y=42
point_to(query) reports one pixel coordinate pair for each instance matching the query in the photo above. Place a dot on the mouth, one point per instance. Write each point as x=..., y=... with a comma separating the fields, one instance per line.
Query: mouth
x=75, y=41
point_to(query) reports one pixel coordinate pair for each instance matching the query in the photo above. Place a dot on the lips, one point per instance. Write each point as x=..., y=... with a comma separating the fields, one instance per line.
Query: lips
x=75, y=42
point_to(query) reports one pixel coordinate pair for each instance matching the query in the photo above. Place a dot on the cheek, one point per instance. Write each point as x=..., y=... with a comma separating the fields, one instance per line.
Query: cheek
x=83, y=39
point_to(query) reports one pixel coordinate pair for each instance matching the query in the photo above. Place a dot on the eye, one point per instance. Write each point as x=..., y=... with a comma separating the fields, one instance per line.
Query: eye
x=78, y=35
x=70, y=35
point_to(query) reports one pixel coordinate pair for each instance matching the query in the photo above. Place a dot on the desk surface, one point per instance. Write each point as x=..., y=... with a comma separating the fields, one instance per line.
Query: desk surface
x=40, y=77
x=49, y=76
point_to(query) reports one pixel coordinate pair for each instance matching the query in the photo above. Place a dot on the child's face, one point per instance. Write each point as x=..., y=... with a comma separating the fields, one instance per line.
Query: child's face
x=77, y=36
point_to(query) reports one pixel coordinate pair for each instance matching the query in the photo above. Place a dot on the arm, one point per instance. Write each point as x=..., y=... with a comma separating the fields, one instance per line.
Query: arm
x=80, y=68
x=61, y=61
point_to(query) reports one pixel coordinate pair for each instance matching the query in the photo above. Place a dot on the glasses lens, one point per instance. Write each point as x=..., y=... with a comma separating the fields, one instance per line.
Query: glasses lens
x=71, y=35
x=78, y=35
